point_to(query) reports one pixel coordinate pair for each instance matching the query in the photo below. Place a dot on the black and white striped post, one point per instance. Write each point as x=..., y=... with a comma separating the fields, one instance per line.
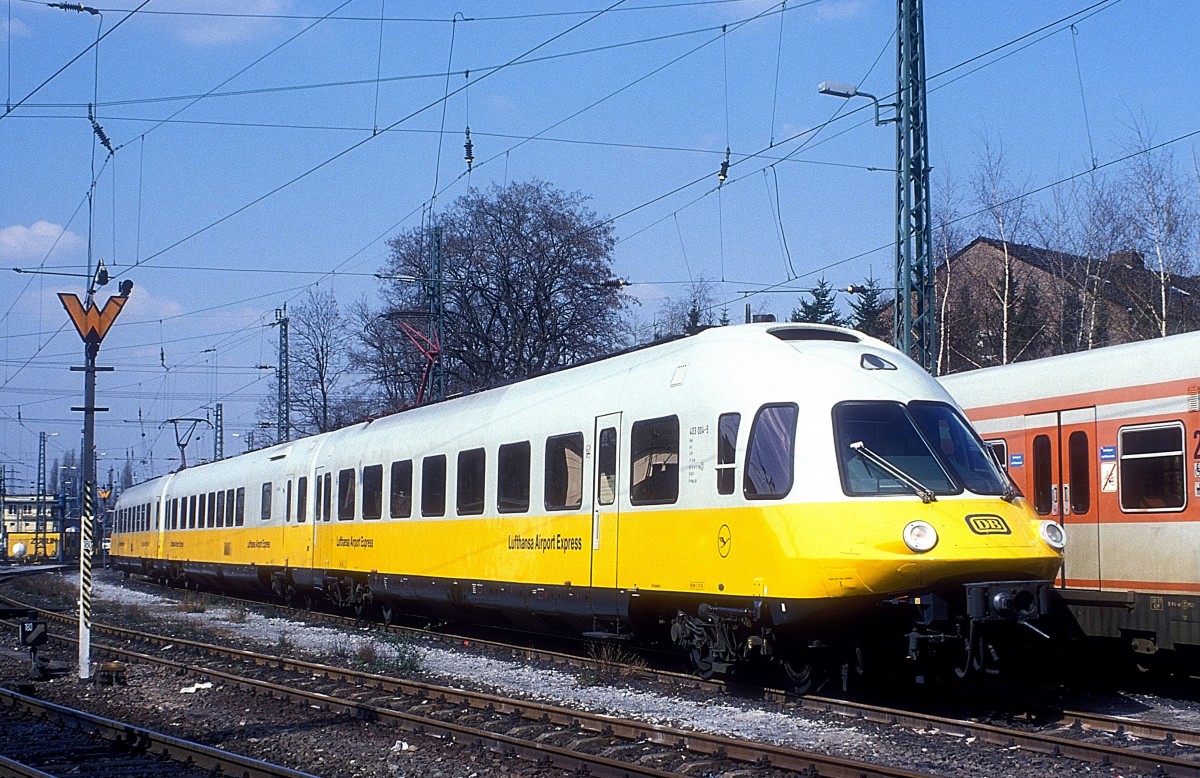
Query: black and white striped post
x=85, y=584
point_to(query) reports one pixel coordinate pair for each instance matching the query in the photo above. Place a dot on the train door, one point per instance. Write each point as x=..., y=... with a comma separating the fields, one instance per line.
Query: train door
x=1063, y=463
x=605, y=512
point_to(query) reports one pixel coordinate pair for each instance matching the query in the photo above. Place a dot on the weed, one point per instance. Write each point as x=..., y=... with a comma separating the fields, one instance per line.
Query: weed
x=284, y=641
x=611, y=663
x=238, y=615
x=195, y=602
x=407, y=656
x=367, y=653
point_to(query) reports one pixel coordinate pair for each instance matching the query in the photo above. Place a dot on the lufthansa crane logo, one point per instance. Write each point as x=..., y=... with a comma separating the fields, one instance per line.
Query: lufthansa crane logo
x=987, y=524
x=724, y=540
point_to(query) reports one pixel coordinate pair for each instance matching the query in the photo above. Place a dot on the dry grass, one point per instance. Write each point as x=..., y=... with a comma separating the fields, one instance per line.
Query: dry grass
x=195, y=602
x=610, y=663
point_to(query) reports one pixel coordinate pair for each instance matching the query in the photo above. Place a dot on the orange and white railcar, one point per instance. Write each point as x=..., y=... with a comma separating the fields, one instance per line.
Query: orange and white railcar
x=1107, y=442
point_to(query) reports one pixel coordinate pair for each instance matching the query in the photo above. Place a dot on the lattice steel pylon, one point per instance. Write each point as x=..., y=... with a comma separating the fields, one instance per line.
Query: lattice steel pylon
x=40, y=541
x=284, y=408
x=915, y=330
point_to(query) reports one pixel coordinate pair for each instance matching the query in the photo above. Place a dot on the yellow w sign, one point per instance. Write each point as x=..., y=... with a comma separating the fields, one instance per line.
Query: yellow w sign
x=92, y=323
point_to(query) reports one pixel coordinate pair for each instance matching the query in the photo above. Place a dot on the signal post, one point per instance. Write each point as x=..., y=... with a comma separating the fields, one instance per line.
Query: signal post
x=92, y=324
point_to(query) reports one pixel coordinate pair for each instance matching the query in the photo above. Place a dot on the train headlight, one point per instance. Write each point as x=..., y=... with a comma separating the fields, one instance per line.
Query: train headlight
x=920, y=536
x=1053, y=534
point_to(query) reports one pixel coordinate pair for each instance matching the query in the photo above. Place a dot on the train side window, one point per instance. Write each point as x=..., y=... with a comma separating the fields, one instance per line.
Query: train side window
x=1043, y=475
x=202, y=511
x=564, y=472
x=372, y=488
x=346, y=494
x=175, y=513
x=654, y=461
x=192, y=512
x=1079, y=472
x=727, y=432
x=401, y=489
x=266, y=501
x=1152, y=475
x=433, y=485
x=229, y=507
x=512, y=486
x=770, y=453
x=472, y=468
x=999, y=449
x=157, y=514
x=606, y=462
x=287, y=510
x=239, y=513
x=302, y=499
x=220, y=509
x=212, y=509
x=327, y=497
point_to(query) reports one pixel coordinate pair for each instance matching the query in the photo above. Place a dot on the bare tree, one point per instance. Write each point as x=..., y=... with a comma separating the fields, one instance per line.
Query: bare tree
x=1162, y=215
x=1004, y=217
x=689, y=315
x=527, y=282
x=320, y=364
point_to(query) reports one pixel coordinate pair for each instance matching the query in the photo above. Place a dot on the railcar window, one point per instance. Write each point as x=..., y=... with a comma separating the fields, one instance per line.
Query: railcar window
x=770, y=453
x=287, y=511
x=888, y=431
x=317, y=501
x=401, y=489
x=1000, y=452
x=1079, y=472
x=175, y=513
x=472, y=467
x=239, y=514
x=727, y=432
x=958, y=447
x=266, y=501
x=346, y=494
x=229, y=507
x=302, y=499
x=564, y=472
x=157, y=514
x=212, y=509
x=433, y=486
x=372, y=492
x=1152, y=475
x=1043, y=476
x=220, y=509
x=327, y=497
x=192, y=512
x=512, y=483
x=201, y=511
x=654, y=461
x=606, y=466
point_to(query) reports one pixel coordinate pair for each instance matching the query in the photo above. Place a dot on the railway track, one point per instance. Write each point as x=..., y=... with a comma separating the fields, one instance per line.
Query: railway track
x=544, y=734
x=1090, y=738
x=42, y=740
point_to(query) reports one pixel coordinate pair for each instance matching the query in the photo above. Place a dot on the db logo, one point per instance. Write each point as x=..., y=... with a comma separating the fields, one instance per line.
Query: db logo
x=983, y=524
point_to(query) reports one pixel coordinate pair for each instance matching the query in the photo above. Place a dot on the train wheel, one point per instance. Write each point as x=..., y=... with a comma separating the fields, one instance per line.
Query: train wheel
x=802, y=673
x=702, y=661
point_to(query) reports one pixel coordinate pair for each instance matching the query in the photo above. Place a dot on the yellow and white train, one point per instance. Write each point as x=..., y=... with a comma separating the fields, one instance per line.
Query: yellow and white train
x=796, y=492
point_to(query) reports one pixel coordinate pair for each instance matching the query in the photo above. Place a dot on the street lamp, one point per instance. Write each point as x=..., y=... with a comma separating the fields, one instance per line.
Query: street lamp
x=846, y=91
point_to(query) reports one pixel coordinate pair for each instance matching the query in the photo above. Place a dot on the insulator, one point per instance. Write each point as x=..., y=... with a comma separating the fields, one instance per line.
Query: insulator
x=724, y=174
x=469, y=147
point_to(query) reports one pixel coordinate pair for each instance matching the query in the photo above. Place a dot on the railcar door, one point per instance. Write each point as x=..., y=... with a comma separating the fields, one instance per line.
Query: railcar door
x=605, y=513
x=1065, y=475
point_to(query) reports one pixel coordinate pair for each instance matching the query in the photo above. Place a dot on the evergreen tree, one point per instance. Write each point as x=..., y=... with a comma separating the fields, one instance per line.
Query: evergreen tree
x=869, y=307
x=822, y=309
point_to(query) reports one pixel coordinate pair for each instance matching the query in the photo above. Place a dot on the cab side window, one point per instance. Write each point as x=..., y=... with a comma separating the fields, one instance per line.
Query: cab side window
x=1152, y=475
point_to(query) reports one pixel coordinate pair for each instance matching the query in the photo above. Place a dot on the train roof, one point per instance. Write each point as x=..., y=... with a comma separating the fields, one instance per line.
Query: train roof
x=1145, y=362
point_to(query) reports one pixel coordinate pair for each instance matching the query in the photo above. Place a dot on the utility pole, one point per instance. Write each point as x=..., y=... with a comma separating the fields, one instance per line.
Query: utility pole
x=437, y=313
x=39, y=521
x=92, y=324
x=915, y=330
x=283, y=425
x=219, y=433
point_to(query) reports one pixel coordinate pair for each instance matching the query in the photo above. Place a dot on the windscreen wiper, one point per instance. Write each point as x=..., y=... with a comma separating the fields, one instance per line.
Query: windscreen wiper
x=924, y=492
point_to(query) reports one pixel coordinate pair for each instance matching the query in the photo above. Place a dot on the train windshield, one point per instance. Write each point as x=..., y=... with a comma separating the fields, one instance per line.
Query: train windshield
x=924, y=448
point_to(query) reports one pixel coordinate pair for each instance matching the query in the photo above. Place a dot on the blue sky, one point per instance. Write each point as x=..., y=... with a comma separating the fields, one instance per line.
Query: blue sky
x=257, y=155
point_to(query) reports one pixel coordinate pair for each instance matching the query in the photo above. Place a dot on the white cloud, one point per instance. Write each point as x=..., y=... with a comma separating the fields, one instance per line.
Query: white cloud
x=20, y=243
x=211, y=29
x=839, y=10
x=18, y=28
